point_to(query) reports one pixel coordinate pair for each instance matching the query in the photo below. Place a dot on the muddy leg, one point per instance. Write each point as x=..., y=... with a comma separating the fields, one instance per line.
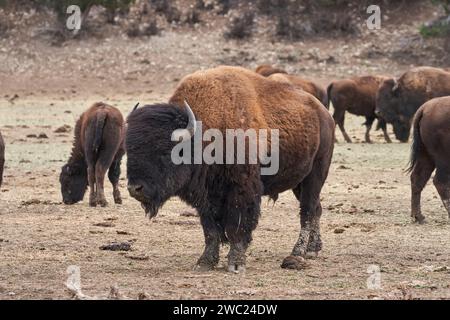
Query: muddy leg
x=369, y=122
x=100, y=183
x=339, y=118
x=308, y=193
x=114, y=176
x=92, y=187
x=383, y=126
x=442, y=183
x=419, y=176
x=212, y=232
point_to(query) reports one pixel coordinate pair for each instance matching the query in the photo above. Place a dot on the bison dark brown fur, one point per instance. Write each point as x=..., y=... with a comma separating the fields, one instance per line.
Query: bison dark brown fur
x=431, y=150
x=98, y=146
x=228, y=197
x=398, y=100
x=356, y=96
x=2, y=158
x=309, y=86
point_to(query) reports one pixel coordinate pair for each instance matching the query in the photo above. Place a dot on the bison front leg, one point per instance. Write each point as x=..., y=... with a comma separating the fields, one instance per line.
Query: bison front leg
x=114, y=176
x=212, y=232
x=243, y=208
x=382, y=124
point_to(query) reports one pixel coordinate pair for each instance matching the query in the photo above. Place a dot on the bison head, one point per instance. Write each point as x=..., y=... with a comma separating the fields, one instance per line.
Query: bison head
x=389, y=106
x=73, y=179
x=152, y=175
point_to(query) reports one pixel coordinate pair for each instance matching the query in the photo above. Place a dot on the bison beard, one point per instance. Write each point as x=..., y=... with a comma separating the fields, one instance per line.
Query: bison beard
x=228, y=197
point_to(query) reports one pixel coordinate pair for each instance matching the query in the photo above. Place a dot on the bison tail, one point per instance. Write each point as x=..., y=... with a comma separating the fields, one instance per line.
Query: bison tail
x=417, y=144
x=329, y=88
x=100, y=124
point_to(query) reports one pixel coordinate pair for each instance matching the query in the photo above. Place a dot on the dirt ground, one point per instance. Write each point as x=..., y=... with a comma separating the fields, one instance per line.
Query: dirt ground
x=365, y=225
x=366, y=222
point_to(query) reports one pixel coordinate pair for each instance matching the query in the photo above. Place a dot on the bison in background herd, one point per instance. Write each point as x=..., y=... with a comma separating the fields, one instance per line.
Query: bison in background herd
x=97, y=147
x=357, y=96
x=228, y=197
x=308, y=86
x=398, y=99
x=2, y=158
x=431, y=150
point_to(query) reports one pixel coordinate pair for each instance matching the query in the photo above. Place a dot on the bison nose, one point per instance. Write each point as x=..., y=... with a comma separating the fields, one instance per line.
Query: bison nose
x=135, y=189
x=377, y=112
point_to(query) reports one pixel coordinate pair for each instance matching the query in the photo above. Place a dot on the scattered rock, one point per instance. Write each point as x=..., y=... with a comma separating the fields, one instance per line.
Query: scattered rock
x=104, y=224
x=339, y=230
x=117, y=246
x=64, y=129
x=140, y=257
x=295, y=263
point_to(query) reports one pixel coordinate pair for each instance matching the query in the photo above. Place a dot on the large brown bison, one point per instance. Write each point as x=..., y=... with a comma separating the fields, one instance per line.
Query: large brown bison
x=228, y=196
x=2, y=158
x=280, y=75
x=398, y=99
x=431, y=150
x=357, y=96
x=97, y=147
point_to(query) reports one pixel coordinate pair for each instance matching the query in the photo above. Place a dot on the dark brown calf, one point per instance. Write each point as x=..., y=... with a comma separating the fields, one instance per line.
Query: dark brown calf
x=98, y=146
x=430, y=150
x=2, y=158
x=357, y=96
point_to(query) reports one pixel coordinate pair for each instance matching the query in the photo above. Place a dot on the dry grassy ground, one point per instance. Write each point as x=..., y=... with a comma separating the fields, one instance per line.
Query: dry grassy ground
x=365, y=222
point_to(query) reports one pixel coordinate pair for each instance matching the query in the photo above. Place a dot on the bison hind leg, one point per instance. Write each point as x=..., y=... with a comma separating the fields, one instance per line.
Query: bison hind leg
x=420, y=174
x=308, y=193
x=441, y=182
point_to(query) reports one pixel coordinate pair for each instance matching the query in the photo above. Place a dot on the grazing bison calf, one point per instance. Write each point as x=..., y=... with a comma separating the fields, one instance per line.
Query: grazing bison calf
x=357, y=96
x=228, y=195
x=280, y=75
x=431, y=150
x=98, y=146
x=398, y=100
x=2, y=158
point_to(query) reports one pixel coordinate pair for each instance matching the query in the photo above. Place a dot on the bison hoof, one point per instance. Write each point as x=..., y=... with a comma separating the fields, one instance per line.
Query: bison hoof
x=102, y=203
x=236, y=268
x=419, y=220
x=118, y=201
x=312, y=255
x=295, y=263
x=93, y=204
x=203, y=267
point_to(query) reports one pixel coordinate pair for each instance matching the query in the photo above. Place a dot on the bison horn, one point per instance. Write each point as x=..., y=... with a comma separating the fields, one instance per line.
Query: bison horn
x=136, y=106
x=189, y=131
x=192, y=125
x=395, y=87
